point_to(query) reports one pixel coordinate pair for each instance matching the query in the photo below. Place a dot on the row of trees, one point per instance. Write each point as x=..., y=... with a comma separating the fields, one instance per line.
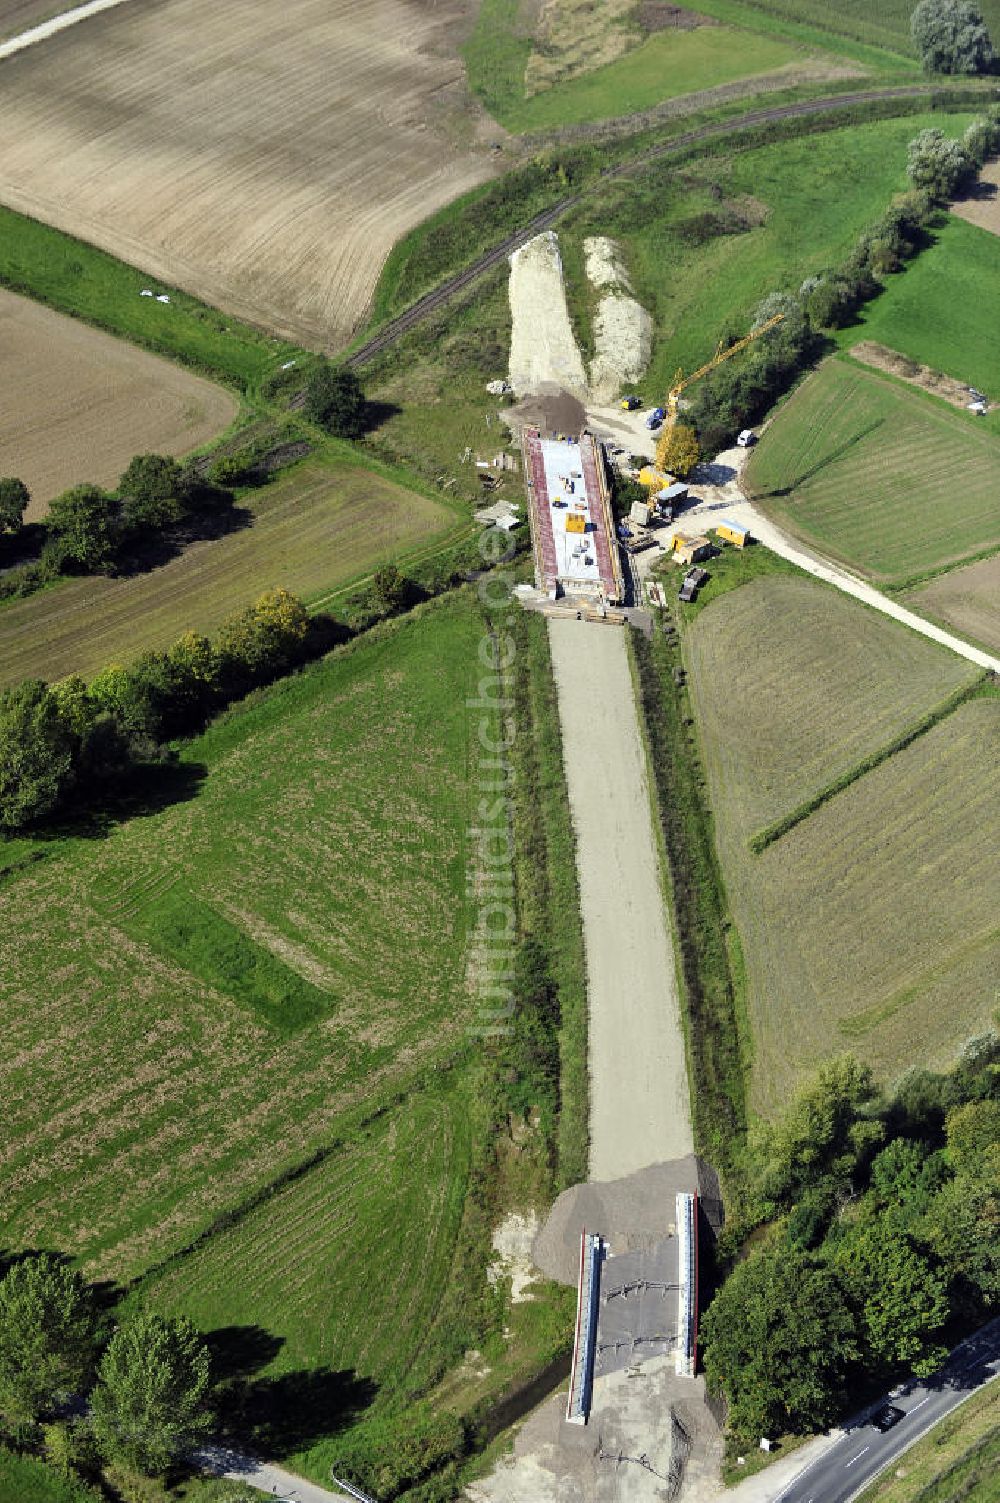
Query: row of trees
x=739, y=393
x=147, y=1381
x=71, y=738
x=881, y=1231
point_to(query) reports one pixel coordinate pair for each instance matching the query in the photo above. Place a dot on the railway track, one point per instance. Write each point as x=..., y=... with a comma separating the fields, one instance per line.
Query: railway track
x=431, y=301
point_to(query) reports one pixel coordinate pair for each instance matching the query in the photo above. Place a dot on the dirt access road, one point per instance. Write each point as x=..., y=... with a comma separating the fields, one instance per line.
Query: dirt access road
x=639, y=1107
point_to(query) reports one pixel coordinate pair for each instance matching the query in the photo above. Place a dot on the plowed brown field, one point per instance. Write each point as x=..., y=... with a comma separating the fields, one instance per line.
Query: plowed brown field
x=78, y=404
x=265, y=157
x=967, y=599
x=20, y=15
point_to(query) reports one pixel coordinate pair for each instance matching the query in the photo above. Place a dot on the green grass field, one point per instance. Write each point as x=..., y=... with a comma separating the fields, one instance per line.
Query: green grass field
x=806, y=199
x=933, y=310
x=23, y=1479
x=87, y=283
x=325, y=823
x=665, y=65
x=872, y=922
x=882, y=24
x=958, y=1462
x=313, y=530
x=346, y=1267
x=889, y=480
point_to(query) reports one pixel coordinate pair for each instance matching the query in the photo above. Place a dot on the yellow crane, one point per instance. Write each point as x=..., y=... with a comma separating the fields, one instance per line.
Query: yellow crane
x=682, y=382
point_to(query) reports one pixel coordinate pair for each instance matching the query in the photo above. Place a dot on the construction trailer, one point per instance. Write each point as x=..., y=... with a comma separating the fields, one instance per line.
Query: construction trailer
x=735, y=533
x=672, y=495
x=688, y=550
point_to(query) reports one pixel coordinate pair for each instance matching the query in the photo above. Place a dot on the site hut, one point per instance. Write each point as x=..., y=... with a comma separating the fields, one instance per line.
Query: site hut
x=670, y=499
x=572, y=530
x=691, y=550
x=735, y=533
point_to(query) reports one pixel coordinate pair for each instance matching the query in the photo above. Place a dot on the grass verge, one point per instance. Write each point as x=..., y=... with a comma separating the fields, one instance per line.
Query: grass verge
x=78, y=279
x=711, y=964
x=548, y=889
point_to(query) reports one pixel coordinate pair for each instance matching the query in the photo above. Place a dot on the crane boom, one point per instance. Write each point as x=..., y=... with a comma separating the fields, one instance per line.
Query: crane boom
x=682, y=382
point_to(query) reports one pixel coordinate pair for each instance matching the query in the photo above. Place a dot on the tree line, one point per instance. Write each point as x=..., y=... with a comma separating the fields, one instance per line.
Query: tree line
x=875, y=1242
x=739, y=393
x=91, y=530
x=146, y=1380
x=67, y=741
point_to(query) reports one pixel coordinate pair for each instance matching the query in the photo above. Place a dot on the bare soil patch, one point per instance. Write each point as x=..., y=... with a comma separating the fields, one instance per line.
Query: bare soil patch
x=78, y=404
x=981, y=205
x=657, y=15
x=573, y=37
x=880, y=358
x=263, y=157
x=967, y=599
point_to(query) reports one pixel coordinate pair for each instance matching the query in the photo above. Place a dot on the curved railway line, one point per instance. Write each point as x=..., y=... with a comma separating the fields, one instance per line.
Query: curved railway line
x=431, y=301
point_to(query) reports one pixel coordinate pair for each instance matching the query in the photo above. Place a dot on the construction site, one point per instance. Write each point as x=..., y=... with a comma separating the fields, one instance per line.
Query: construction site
x=572, y=527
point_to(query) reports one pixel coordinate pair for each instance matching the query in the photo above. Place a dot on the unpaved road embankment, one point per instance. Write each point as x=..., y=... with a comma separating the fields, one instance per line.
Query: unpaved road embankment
x=639, y=1107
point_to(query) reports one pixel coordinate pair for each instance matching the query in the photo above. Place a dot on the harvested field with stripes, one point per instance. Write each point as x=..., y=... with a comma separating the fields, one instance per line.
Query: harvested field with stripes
x=20, y=15
x=273, y=177
x=314, y=529
x=880, y=476
x=319, y=836
x=858, y=922
x=344, y=1267
x=79, y=404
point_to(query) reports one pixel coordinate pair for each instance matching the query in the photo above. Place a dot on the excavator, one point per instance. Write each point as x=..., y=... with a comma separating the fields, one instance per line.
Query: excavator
x=681, y=382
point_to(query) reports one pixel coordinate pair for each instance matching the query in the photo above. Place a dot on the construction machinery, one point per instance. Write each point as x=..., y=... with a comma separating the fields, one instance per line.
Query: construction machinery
x=723, y=353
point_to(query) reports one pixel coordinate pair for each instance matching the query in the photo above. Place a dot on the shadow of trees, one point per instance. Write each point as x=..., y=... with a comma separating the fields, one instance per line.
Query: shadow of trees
x=279, y=1414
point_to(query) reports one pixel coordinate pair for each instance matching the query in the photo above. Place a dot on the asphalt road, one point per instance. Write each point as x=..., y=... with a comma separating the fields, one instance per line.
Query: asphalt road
x=863, y=1451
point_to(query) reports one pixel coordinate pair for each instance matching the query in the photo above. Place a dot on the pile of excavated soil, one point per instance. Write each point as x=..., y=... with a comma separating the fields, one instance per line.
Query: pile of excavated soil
x=936, y=382
x=658, y=15
x=543, y=350
x=623, y=330
x=551, y=411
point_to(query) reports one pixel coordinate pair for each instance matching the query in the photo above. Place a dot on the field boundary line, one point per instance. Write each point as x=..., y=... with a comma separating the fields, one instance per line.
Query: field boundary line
x=46, y=29
x=759, y=842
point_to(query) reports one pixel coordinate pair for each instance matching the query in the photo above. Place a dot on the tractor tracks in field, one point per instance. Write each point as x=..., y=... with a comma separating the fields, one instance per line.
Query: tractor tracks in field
x=438, y=297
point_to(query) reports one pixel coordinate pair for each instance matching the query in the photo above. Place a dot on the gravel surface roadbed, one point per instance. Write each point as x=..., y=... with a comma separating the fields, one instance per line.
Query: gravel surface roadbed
x=639, y=1111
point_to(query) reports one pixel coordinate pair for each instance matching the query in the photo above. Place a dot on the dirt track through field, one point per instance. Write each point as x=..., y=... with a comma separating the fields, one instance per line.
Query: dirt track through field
x=263, y=157
x=639, y=1105
x=78, y=404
